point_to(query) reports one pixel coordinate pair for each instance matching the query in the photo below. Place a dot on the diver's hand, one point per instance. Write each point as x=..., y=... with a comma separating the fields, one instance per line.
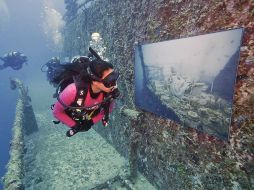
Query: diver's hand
x=80, y=127
x=71, y=132
x=115, y=93
x=104, y=122
x=85, y=125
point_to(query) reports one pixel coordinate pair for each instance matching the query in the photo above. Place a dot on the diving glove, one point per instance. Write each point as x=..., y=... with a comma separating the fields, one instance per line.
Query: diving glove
x=71, y=132
x=80, y=127
x=104, y=122
x=115, y=93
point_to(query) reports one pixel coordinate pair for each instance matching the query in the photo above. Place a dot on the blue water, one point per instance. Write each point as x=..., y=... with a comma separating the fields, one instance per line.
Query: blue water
x=22, y=32
x=7, y=115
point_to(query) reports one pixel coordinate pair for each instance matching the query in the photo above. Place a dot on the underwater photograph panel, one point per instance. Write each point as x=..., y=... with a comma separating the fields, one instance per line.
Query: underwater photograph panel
x=190, y=80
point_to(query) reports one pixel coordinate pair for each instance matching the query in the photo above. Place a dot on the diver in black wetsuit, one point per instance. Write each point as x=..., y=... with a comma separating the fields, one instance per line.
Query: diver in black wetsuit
x=14, y=59
x=50, y=68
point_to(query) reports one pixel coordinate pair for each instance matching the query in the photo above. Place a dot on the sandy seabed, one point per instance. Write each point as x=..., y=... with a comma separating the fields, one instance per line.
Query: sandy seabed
x=54, y=161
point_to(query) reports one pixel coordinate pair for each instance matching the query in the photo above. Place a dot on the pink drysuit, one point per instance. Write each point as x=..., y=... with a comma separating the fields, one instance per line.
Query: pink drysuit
x=68, y=96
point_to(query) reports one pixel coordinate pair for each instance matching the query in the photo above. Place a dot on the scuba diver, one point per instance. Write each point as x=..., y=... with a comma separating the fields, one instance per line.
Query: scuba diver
x=57, y=71
x=90, y=96
x=14, y=59
x=50, y=67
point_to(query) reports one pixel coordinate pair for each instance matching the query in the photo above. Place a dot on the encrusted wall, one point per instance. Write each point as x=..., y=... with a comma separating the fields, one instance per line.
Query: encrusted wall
x=14, y=175
x=24, y=124
x=173, y=157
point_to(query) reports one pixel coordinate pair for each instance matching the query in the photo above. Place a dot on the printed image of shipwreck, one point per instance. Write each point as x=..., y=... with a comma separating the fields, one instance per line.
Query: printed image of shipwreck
x=196, y=84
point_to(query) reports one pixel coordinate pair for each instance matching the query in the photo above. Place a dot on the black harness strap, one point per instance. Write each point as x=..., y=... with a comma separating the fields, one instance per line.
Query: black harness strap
x=78, y=114
x=79, y=101
x=82, y=90
x=106, y=108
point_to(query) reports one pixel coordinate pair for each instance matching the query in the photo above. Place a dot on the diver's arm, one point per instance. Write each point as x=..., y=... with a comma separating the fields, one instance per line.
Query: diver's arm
x=67, y=96
x=16, y=67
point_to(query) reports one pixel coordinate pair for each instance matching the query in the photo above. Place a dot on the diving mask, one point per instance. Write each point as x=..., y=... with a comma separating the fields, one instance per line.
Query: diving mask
x=110, y=80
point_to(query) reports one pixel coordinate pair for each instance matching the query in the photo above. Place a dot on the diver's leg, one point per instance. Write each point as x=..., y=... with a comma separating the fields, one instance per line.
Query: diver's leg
x=3, y=66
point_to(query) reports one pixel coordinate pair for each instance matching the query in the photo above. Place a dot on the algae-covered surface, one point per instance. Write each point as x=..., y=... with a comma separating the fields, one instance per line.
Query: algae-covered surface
x=47, y=159
x=85, y=161
x=53, y=161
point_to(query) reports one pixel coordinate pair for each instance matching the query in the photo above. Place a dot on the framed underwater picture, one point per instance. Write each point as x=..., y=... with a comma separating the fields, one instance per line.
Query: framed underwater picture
x=190, y=80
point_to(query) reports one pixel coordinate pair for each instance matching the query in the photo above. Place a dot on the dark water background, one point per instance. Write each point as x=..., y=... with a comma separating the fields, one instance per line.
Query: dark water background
x=22, y=33
x=226, y=77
